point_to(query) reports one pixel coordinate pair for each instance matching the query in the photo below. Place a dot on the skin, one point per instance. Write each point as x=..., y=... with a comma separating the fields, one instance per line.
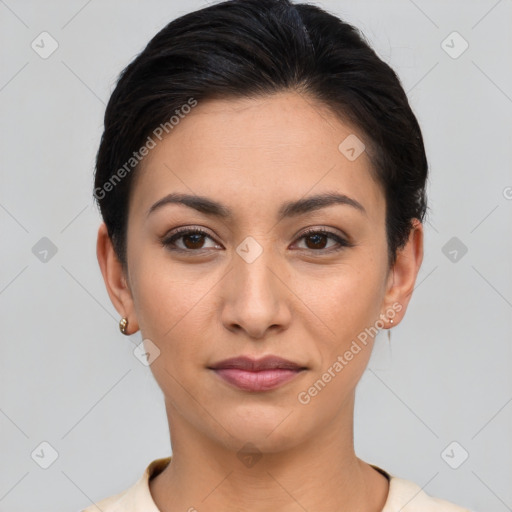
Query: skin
x=299, y=300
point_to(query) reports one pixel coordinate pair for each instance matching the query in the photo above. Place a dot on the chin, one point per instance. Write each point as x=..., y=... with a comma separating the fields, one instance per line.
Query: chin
x=269, y=431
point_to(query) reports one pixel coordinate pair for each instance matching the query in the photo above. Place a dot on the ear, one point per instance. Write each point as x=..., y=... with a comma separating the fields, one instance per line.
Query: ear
x=402, y=276
x=115, y=279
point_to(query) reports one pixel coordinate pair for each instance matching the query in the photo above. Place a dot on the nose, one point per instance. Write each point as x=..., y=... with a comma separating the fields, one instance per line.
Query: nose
x=256, y=298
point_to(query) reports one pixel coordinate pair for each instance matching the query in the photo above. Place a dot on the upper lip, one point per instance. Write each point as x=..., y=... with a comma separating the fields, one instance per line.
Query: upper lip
x=265, y=363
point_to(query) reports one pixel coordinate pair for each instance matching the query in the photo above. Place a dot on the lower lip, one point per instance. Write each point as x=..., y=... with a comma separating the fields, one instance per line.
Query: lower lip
x=256, y=381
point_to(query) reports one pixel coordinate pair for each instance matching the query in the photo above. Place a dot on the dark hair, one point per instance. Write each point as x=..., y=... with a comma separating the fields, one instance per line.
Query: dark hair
x=249, y=48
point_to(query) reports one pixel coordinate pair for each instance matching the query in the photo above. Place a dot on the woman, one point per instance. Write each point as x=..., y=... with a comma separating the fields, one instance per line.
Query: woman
x=261, y=178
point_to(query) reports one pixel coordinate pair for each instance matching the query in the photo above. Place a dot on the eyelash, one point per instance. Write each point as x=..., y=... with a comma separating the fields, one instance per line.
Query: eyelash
x=168, y=242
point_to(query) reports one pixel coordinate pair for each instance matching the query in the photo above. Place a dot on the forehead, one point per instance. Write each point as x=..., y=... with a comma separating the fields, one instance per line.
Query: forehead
x=258, y=150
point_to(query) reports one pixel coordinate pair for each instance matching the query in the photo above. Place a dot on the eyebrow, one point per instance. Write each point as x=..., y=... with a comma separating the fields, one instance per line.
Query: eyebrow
x=210, y=207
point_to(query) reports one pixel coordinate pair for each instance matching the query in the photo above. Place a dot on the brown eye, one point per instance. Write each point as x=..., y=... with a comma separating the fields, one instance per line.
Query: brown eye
x=316, y=240
x=192, y=240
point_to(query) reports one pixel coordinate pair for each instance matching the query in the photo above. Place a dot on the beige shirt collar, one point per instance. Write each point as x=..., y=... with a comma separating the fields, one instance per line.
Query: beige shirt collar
x=404, y=495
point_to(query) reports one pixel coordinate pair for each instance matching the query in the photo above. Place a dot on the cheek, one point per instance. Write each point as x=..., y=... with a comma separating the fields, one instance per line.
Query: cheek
x=162, y=295
x=167, y=315
x=349, y=306
x=346, y=300
x=172, y=305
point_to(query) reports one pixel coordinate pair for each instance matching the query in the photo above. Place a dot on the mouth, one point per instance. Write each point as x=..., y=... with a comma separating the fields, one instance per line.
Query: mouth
x=262, y=374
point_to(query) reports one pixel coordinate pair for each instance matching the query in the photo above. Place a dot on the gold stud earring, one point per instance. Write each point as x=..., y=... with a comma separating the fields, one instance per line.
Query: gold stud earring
x=123, y=324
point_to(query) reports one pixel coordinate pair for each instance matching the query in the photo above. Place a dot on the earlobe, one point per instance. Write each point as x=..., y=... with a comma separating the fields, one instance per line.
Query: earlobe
x=404, y=273
x=115, y=278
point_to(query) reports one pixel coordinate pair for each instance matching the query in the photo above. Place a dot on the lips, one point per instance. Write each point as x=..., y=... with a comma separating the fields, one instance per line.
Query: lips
x=256, y=365
x=257, y=374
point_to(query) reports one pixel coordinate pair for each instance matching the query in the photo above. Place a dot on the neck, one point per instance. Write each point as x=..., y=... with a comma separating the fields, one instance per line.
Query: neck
x=319, y=473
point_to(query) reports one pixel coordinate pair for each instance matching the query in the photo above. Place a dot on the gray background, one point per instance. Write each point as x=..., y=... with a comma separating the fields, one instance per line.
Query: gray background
x=70, y=379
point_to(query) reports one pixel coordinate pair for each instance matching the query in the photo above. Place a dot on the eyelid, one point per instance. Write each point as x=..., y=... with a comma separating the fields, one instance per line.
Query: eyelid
x=177, y=233
x=326, y=230
x=342, y=240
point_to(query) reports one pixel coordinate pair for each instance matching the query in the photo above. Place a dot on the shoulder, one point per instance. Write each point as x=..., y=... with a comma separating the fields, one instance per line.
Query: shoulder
x=407, y=496
x=110, y=504
x=135, y=498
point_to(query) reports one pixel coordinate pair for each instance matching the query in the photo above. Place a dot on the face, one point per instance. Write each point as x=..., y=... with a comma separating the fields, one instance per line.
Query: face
x=205, y=287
